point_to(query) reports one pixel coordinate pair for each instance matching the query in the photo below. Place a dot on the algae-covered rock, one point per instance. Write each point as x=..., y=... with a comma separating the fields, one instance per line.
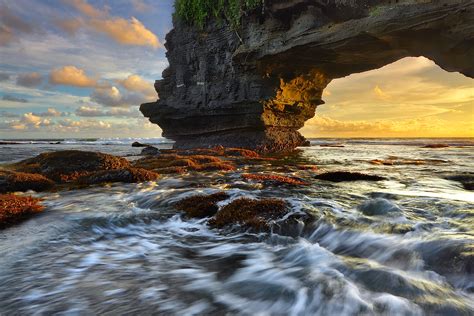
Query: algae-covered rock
x=11, y=181
x=201, y=206
x=14, y=208
x=70, y=165
x=255, y=214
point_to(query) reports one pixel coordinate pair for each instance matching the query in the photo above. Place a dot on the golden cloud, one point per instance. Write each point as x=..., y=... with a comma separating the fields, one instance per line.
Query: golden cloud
x=123, y=31
x=87, y=9
x=128, y=32
x=138, y=84
x=71, y=76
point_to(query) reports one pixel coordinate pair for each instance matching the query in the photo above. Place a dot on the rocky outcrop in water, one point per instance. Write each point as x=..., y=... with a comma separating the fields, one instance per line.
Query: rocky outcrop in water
x=255, y=86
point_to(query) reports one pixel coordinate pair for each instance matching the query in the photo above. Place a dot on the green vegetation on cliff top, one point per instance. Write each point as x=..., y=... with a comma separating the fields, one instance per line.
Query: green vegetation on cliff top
x=196, y=12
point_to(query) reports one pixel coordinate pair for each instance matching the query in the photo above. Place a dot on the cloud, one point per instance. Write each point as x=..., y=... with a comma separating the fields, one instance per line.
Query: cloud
x=90, y=111
x=10, y=25
x=70, y=26
x=29, y=80
x=87, y=9
x=380, y=93
x=123, y=31
x=51, y=112
x=140, y=6
x=128, y=32
x=12, y=98
x=111, y=96
x=4, y=76
x=71, y=76
x=430, y=126
x=137, y=84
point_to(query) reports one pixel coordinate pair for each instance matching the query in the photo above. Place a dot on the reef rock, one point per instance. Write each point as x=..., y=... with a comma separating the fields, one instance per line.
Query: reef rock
x=255, y=86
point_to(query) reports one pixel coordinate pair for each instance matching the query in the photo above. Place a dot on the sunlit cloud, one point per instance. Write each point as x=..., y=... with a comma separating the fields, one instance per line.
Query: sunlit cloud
x=128, y=32
x=71, y=76
x=91, y=111
x=138, y=84
x=121, y=30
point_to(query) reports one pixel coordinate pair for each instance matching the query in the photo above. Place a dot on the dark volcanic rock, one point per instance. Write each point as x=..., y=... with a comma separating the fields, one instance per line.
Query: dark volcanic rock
x=256, y=86
x=342, y=176
x=138, y=144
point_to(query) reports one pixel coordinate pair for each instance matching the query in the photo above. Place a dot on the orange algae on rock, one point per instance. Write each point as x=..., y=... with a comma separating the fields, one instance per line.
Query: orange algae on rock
x=273, y=178
x=201, y=205
x=14, y=209
x=252, y=213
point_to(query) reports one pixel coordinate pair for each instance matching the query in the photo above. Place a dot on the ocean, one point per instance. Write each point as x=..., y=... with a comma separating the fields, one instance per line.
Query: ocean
x=401, y=246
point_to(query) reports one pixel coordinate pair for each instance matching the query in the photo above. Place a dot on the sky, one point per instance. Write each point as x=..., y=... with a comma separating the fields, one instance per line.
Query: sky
x=80, y=68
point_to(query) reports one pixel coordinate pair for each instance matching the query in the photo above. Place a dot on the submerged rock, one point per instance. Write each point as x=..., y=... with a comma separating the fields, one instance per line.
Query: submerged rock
x=11, y=181
x=342, y=176
x=378, y=206
x=201, y=206
x=70, y=165
x=14, y=208
x=255, y=214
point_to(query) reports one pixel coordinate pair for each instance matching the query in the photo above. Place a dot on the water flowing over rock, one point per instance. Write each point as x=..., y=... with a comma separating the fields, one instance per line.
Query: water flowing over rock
x=256, y=85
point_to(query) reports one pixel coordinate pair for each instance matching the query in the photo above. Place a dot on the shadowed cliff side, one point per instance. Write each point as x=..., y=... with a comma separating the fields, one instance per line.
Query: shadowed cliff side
x=254, y=86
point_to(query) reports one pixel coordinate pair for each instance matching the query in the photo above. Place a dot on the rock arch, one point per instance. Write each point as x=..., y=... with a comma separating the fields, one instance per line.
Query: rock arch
x=255, y=89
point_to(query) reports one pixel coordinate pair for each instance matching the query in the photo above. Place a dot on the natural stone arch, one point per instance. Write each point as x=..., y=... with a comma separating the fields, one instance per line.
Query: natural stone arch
x=262, y=85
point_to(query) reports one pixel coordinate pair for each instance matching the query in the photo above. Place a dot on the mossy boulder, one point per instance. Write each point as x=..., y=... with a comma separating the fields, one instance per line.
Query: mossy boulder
x=343, y=176
x=200, y=206
x=70, y=165
x=14, y=208
x=174, y=163
x=11, y=181
x=255, y=214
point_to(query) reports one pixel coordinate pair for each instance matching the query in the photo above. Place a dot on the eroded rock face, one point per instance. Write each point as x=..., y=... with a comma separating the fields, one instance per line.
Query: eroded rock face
x=256, y=86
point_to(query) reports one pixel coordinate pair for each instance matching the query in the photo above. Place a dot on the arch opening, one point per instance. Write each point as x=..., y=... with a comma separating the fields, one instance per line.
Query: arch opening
x=412, y=97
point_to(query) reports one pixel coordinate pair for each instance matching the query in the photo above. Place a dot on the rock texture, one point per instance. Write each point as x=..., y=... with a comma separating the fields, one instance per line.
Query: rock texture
x=254, y=87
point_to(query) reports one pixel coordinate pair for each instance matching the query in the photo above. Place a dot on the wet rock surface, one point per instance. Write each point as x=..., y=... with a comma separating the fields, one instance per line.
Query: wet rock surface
x=201, y=206
x=256, y=86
